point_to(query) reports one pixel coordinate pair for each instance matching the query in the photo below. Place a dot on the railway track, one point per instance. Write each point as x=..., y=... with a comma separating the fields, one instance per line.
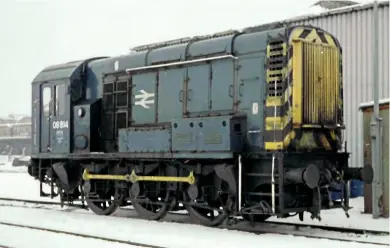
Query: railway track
x=332, y=228
x=50, y=203
x=268, y=227
x=80, y=235
x=312, y=231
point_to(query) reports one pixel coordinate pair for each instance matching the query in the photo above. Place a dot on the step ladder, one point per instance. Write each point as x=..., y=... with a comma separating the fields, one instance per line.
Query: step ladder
x=276, y=179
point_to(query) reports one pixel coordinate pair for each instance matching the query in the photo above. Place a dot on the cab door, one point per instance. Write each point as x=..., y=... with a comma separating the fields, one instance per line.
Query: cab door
x=60, y=128
x=55, y=120
x=46, y=102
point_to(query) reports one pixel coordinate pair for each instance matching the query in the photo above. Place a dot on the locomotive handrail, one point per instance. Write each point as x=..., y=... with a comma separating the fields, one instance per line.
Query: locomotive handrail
x=182, y=63
x=183, y=40
x=273, y=161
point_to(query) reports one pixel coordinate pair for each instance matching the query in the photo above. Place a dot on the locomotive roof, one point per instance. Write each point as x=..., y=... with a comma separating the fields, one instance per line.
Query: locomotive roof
x=191, y=49
x=60, y=71
x=175, y=51
x=186, y=50
x=70, y=64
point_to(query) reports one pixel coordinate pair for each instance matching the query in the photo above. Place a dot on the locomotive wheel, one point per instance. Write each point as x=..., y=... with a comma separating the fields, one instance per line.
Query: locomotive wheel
x=101, y=207
x=214, y=207
x=152, y=208
x=206, y=215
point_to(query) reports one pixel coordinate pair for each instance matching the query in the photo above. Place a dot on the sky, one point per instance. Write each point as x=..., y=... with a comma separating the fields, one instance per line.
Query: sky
x=37, y=33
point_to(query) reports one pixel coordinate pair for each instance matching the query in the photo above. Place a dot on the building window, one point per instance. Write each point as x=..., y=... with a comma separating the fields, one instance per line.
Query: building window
x=46, y=101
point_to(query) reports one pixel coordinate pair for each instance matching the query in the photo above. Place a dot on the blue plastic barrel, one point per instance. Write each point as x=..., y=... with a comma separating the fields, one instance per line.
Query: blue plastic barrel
x=335, y=195
x=357, y=188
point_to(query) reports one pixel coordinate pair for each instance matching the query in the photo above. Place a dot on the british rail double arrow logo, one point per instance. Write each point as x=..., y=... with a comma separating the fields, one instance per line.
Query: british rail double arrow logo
x=144, y=99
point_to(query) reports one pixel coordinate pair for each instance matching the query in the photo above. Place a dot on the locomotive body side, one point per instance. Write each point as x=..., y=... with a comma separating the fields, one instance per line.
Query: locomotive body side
x=243, y=123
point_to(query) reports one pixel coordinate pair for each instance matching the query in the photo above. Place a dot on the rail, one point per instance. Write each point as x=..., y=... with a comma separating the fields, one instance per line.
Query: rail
x=78, y=235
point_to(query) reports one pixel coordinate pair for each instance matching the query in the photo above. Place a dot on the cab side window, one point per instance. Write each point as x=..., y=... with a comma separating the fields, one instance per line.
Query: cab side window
x=46, y=99
x=60, y=100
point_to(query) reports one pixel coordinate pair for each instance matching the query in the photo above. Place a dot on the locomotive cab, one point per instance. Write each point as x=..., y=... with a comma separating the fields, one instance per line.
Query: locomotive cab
x=63, y=120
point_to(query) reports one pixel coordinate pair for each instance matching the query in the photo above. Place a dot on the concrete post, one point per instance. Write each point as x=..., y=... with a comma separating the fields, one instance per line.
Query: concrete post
x=376, y=124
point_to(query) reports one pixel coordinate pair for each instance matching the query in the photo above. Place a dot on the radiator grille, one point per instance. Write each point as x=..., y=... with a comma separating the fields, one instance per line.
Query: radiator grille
x=276, y=62
x=320, y=86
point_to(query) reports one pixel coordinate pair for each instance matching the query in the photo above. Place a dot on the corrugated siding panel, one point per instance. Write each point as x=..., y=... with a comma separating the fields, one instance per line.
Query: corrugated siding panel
x=354, y=31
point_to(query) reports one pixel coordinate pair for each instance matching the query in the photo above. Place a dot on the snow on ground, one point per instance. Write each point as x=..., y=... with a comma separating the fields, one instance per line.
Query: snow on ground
x=6, y=166
x=15, y=182
x=11, y=237
x=155, y=233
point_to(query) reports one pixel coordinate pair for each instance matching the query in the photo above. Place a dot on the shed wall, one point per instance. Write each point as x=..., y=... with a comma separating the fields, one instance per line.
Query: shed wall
x=354, y=30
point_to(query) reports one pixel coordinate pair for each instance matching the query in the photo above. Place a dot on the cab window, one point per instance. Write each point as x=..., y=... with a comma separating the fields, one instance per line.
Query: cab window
x=60, y=100
x=46, y=99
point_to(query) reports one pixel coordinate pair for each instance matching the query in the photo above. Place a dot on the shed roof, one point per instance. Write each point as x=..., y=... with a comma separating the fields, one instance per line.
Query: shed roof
x=371, y=103
x=329, y=4
x=326, y=13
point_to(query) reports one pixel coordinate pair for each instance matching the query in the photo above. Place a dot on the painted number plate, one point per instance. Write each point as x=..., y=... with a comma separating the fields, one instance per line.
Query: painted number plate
x=60, y=124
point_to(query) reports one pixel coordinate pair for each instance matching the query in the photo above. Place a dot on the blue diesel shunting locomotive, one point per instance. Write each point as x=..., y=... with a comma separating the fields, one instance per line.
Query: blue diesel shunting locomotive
x=237, y=123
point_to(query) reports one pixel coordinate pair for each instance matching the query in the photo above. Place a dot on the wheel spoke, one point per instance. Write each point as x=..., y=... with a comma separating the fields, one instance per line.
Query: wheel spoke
x=105, y=207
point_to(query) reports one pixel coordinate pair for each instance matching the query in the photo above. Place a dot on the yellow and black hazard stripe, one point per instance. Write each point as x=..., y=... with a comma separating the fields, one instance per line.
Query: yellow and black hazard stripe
x=279, y=95
x=312, y=35
x=316, y=139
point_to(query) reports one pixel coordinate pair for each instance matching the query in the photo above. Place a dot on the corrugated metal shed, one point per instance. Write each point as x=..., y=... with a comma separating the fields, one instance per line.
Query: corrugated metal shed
x=353, y=27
